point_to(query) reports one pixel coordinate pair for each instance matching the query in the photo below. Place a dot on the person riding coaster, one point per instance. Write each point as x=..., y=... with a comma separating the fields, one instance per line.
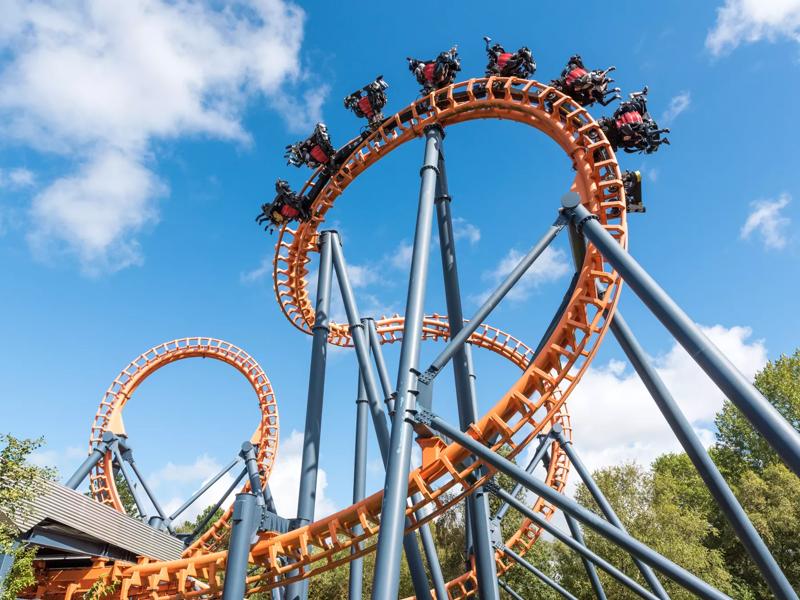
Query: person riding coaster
x=286, y=207
x=584, y=86
x=509, y=64
x=632, y=184
x=632, y=128
x=315, y=151
x=368, y=102
x=438, y=73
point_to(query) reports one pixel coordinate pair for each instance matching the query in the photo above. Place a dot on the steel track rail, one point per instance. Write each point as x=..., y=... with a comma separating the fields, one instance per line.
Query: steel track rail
x=528, y=407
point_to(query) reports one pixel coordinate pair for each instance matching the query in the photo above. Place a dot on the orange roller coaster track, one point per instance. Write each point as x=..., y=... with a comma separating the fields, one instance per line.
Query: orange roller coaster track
x=120, y=392
x=529, y=407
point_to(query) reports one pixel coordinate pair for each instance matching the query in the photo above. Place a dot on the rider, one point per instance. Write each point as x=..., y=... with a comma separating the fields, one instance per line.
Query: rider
x=632, y=184
x=584, y=86
x=438, y=73
x=287, y=206
x=574, y=70
x=315, y=151
x=508, y=64
x=370, y=104
x=632, y=128
x=630, y=115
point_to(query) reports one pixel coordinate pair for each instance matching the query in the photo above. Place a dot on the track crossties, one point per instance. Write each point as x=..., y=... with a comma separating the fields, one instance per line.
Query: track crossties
x=528, y=407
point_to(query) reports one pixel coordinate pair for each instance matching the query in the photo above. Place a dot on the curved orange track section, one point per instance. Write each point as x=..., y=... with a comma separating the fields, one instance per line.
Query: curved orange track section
x=121, y=391
x=527, y=408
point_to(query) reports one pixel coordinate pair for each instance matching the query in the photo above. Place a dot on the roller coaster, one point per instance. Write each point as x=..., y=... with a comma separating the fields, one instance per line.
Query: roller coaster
x=251, y=549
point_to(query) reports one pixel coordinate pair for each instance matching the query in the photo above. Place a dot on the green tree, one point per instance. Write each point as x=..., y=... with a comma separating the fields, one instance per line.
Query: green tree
x=652, y=506
x=540, y=554
x=190, y=526
x=19, y=483
x=739, y=446
x=126, y=496
x=767, y=490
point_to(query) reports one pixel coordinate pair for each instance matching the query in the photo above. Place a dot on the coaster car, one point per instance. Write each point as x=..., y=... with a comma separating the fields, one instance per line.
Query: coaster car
x=509, y=64
x=437, y=73
x=632, y=128
x=286, y=207
x=584, y=86
x=315, y=151
x=368, y=102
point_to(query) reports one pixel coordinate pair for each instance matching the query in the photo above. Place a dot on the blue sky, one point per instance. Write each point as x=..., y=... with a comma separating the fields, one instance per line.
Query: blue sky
x=138, y=144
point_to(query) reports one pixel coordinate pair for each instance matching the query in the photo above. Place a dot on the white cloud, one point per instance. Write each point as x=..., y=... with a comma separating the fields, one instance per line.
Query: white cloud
x=181, y=481
x=203, y=468
x=284, y=483
x=551, y=265
x=263, y=269
x=65, y=461
x=677, y=105
x=362, y=275
x=368, y=304
x=97, y=210
x=401, y=257
x=96, y=82
x=751, y=21
x=614, y=418
x=766, y=220
x=16, y=178
x=302, y=116
x=462, y=229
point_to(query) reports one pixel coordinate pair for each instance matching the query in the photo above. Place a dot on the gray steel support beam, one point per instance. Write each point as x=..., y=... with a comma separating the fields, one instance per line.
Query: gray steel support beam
x=202, y=490
x=380, y=364
x=572, y=543
x=159, y=521
x=494, y=299
x=262, y=493
x=429, y=548
x=88, y=464
x=359, y=484
x=529, y=567
x=708, y=471
x=508, y=590
x=538, y=456
x=269, y=502
x=604, y=505
x=466, y=396
x=468, y=550
x=361, y=342
x=776, y=430
x=129, y=479
x=201, y=526
x=276, y=593
x=591, y=572
x=307, y=496
x=387, y=561
x=245, y=519
x=622, y=539
x=248, y=454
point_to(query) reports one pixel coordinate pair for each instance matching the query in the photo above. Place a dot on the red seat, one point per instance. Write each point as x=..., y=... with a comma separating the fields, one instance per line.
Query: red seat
x=575, y=74
x=365, y=106
x=289, y=212
x=503, y=59
x=427, y=71
x=319, y=155
x=629, y=117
